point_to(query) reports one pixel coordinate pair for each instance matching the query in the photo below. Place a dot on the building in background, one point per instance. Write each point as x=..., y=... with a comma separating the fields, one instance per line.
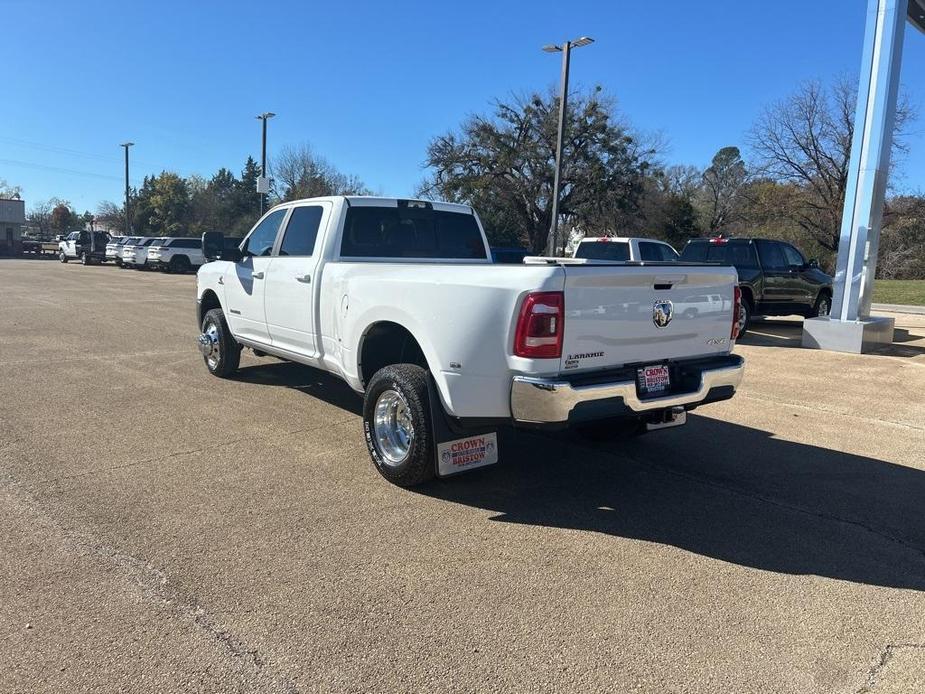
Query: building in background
x=12, y=218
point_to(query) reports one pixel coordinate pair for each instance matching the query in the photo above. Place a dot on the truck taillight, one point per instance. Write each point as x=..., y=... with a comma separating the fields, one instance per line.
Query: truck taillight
x=540, y=326
x=736, y=308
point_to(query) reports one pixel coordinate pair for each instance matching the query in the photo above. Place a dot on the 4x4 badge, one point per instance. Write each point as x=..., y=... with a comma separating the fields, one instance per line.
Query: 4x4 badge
x=661, y=313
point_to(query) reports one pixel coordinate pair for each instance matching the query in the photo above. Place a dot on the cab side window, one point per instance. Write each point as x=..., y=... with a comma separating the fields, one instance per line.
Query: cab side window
x=656, y=251
x=261, y=240
x=794, y=258
x=649, y=251
x=301, y=231
x=772, y=256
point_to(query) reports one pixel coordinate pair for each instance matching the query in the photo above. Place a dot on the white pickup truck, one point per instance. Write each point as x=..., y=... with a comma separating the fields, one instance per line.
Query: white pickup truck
x=400, y=299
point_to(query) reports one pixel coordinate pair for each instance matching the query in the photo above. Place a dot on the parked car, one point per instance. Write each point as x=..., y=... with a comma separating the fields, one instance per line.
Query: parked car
x=87, y=246
x=619, y=248
x=176, y=255
x=136, y=255
x=400, y=298
x=774, y=276
x=114, y=248
x=509, y=256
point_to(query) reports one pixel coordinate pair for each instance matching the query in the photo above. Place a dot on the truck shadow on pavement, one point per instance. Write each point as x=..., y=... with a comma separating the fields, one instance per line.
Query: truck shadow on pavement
x=717, y=489
x=305, y=379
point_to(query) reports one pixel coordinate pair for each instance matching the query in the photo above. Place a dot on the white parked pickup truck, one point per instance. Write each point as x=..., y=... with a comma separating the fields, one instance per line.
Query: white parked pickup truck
x=624, y=248
x=400, y=299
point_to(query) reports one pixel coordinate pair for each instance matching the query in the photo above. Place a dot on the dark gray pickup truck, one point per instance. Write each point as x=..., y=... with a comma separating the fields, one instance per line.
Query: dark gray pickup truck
x=775, y=277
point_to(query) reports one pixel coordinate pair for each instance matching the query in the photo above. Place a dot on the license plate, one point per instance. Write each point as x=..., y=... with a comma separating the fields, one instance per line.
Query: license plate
x=653, y=379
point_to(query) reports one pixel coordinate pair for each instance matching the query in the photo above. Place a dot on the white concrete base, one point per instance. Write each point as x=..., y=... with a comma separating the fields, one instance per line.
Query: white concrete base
x=848, y=336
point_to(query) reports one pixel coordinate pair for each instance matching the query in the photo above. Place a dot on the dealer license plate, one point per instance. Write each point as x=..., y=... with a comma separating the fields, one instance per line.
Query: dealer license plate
x=653, y=379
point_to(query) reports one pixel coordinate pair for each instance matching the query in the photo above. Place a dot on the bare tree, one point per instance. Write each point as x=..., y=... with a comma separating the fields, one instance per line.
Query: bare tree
x=720, y=195
x=111, y=216
x=805, y=140
x=902, y=242
x=9, y=191
x=300, y=173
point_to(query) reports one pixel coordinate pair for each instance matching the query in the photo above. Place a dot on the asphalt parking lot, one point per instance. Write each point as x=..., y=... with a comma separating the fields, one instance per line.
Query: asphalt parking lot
x=165, y=531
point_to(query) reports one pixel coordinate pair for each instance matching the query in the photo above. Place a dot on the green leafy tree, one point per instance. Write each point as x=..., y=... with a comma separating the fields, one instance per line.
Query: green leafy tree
x=162, y=206
x=503, y=164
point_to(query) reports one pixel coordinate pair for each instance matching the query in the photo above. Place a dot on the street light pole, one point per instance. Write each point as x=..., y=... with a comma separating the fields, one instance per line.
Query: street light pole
x=263, y=186
x=566, y=48
x=128, y=218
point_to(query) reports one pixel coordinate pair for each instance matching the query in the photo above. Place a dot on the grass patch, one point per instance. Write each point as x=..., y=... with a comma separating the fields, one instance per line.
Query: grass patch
x=909, y=292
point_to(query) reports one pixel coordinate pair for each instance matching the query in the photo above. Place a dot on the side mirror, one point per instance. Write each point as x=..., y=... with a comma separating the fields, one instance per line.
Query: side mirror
x=213, y=245
x=813, y=263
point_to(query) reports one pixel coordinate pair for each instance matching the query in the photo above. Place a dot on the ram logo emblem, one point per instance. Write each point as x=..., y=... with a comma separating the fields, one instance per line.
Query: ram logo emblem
x=661, y=313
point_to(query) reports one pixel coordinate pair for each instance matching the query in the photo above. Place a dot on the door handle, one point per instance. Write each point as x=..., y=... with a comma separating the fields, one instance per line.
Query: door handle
x=257, y=275
x=305, y=279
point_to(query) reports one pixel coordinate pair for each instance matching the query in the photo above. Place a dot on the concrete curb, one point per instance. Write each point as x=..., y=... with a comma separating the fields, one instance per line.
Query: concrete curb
x=899, y=308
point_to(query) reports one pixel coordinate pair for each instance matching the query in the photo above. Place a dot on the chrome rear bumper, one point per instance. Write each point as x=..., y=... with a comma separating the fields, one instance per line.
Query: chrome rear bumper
x=552, y=401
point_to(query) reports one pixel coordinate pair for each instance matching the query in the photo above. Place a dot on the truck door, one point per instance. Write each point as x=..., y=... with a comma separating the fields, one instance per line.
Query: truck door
x=290, y=298
x=804, y=293
x=246, y=280
x=778, y=277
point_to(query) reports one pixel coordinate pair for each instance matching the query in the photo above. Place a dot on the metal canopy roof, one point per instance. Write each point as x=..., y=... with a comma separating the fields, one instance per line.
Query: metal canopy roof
x=917, y=14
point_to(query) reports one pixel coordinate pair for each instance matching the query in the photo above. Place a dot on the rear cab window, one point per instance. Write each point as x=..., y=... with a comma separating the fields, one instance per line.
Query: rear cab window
x=739, y=253
x=651, y=250
x=413, y=232
x=603, y=250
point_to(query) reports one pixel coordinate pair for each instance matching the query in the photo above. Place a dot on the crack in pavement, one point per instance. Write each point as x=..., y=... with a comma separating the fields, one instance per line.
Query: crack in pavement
x=818, y=408
x=886, y=655
x=175, y=454
x=156, y=587
x=647, y=466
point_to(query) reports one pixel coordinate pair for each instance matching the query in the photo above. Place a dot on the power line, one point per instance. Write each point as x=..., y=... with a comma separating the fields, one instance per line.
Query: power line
x=59, y=169
x=63, y=150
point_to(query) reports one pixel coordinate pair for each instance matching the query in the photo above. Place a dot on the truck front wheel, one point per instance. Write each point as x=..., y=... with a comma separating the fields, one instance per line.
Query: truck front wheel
x=62, y=256
x=397, y=424
x=219, y=350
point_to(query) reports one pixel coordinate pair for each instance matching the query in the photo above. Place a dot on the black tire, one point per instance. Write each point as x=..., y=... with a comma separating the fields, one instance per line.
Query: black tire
x=62, y=256
x=179, y=264
x=227, y=358
x=612, y=429
x=745, y=313
x=84, y=259
x=409, y=381
x=118, y=262
x=822, y=307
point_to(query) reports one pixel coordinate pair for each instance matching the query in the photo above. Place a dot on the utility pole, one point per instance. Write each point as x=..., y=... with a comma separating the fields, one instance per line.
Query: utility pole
x=263, y=185
x=566, y=49
x=128, y=216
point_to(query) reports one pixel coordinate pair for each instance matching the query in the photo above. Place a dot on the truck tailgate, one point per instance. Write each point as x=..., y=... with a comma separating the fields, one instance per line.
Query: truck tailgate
x=610, y=314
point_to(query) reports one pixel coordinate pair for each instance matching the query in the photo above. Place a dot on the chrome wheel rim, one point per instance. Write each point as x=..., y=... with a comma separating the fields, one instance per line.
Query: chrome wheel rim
x=209, y=345
x=743, y=318
x=392, y=427
x=824, y=307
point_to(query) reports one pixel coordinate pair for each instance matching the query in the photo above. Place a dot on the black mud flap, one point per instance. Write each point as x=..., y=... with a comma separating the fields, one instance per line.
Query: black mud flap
x=458, y=449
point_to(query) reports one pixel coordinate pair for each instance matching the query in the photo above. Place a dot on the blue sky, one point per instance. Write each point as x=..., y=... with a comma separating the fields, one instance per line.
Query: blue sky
x=368, y=84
